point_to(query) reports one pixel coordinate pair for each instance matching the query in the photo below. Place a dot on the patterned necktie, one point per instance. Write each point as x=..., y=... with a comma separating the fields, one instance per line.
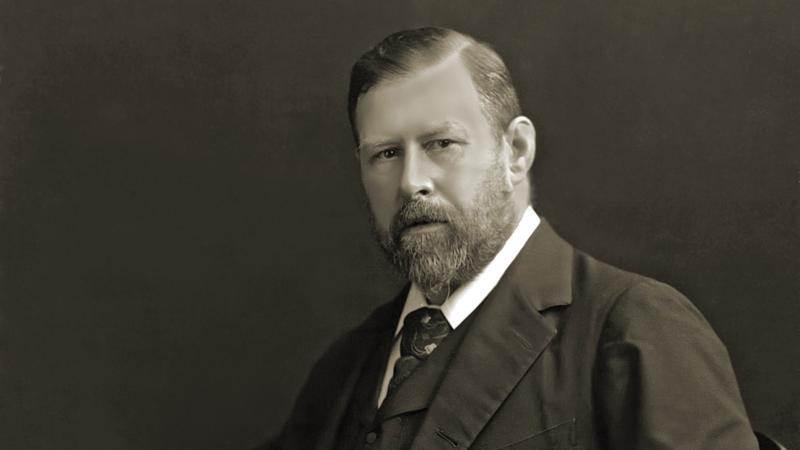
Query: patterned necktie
x=423, y=330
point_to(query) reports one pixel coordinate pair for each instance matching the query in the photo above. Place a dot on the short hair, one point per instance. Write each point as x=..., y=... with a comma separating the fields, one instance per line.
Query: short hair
x=401, y=53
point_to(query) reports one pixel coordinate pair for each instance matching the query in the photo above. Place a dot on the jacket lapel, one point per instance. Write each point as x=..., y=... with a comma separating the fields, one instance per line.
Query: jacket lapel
x=505, y=339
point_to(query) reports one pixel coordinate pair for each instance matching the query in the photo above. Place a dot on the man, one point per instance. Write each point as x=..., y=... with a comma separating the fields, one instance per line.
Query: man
x=506, y=336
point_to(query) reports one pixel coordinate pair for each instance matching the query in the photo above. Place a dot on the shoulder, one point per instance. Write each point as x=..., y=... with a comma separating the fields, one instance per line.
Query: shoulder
x=625, y=295
x=655, y=307
x=637, y=312
x=600, y=294
x=627, y=306
x=602, y=281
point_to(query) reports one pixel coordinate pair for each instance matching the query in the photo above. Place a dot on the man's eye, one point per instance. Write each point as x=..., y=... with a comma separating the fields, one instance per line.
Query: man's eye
x=440, y=144
x=389, y=153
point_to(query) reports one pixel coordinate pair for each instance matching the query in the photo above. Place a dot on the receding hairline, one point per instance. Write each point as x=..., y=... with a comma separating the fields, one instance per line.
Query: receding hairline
x=421, y=69
x=406, y=53
x=421, y=63
x=424, y=59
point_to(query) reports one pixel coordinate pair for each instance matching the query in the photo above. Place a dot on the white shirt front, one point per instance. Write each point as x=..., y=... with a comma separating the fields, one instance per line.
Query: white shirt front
x=464, y=300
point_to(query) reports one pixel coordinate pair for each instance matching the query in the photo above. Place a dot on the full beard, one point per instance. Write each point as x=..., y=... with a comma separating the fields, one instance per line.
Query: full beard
x=443, y=258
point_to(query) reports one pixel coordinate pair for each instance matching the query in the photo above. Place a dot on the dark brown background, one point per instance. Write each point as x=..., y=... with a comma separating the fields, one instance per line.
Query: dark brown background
x=182, y=228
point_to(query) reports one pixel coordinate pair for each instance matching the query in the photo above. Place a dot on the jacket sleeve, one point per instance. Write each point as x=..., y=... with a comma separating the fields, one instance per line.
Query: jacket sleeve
x=664, y=379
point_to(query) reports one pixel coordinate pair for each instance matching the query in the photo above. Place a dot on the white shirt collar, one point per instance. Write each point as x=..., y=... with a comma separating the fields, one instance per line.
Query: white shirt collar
x=464, y=300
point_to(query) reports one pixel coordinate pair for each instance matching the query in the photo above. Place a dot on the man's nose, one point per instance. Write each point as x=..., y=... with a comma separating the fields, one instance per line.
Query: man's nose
x=415, y=180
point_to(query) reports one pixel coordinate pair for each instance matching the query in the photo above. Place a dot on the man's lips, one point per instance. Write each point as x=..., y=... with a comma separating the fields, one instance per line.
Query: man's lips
x=423, y=225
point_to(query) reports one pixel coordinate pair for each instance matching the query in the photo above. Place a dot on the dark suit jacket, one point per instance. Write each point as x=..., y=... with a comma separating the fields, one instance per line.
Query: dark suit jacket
x=566, y=352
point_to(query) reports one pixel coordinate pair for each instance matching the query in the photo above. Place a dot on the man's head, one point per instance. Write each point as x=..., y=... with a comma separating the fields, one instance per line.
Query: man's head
x=444, y=153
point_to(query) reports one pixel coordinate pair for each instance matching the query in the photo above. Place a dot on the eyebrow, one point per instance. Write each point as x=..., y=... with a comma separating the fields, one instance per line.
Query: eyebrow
x=444, y=128
x=366, y=145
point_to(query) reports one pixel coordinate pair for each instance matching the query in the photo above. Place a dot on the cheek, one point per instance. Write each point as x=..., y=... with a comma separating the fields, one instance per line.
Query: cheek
x=382, y=196
x=460, y=187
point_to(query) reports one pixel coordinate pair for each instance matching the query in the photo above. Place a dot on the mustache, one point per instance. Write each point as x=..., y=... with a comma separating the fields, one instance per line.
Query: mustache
x=416, y=213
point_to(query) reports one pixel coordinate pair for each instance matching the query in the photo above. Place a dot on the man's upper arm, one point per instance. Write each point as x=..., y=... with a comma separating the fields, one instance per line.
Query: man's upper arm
x=664, y=379
x=316, y=398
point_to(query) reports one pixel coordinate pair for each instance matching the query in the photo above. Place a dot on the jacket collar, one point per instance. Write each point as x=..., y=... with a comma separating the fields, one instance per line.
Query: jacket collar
x=542, y=273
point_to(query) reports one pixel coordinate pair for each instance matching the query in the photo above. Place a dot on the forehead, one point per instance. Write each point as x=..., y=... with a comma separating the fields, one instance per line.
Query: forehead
x=427, y=97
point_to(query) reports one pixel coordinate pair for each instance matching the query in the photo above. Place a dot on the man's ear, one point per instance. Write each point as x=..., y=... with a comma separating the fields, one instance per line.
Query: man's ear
x=520, y=135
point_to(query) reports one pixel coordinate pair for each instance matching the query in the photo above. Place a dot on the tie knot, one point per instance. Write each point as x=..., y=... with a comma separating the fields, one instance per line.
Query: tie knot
x=423, y=330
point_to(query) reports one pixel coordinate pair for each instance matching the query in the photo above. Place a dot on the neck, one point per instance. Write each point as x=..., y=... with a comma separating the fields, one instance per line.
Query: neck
x=521, y=199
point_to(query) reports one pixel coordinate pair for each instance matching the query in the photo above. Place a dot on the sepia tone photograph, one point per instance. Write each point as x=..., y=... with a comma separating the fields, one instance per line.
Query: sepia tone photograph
x=428, y=224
